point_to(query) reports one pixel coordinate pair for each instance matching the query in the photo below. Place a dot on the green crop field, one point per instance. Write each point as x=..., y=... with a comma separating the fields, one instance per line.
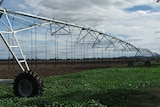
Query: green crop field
x=111, y=87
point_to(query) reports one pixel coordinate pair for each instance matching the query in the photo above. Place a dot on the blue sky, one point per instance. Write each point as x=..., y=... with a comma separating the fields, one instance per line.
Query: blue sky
x=136, y=21
x=140, y=8
x=10, y=4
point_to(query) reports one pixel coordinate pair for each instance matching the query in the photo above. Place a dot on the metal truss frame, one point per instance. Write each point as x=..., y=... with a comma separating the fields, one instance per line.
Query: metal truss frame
x=80, y=34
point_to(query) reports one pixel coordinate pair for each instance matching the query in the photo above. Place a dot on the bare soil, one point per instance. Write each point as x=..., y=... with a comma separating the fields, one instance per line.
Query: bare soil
x=9, y=70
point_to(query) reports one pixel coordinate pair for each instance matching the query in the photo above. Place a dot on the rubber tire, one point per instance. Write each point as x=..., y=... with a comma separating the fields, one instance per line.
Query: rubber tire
x=130, y=64
x=147, y=63
x=34, y=81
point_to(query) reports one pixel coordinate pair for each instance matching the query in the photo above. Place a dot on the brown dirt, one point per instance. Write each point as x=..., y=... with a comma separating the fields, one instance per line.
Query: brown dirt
x=48, y=68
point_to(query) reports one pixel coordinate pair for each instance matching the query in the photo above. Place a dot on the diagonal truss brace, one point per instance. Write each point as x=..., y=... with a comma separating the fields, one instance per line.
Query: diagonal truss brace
x=21, y=62
x=96, y=38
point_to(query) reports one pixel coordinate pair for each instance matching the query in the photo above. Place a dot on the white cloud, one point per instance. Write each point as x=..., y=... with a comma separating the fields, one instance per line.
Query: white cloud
x=104, y=15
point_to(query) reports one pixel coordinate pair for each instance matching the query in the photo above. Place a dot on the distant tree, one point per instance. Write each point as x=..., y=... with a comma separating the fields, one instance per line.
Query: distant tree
x=158, y=1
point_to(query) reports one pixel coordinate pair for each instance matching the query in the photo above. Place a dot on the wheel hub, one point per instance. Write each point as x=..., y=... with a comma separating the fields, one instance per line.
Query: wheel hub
x=25, y=87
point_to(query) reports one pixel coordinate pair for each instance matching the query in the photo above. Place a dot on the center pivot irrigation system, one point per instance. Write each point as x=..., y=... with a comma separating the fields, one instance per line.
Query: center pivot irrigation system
x=30, y=37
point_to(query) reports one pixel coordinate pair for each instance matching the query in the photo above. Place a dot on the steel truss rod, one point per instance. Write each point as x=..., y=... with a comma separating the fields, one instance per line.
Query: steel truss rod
x=61, y=28
x=61, y=22
x=39, y=17
x=19, y=61
x=99, y=38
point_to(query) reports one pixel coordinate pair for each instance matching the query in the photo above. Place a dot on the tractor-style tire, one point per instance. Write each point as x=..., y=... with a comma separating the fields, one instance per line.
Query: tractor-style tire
x=27, y=84
x=147, y=63
x=130, y=63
